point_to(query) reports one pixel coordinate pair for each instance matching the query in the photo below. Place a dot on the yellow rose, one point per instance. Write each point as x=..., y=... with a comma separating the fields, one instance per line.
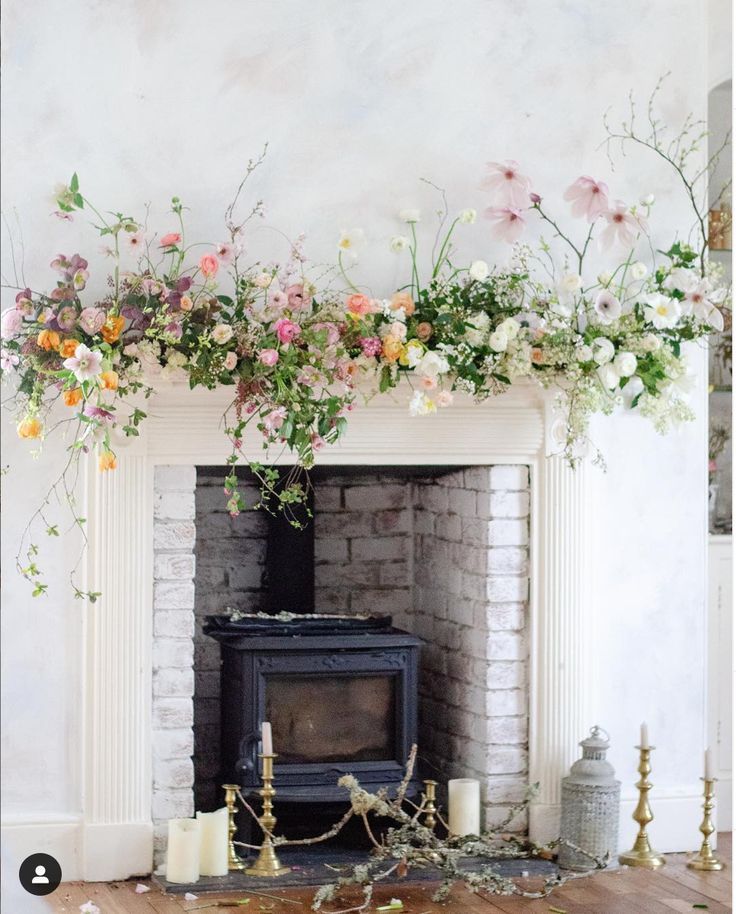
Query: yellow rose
x=72, y=397
x=109, y=380
x=30, y=427
x=48, y=339
x=107, y=461
x=392, y=348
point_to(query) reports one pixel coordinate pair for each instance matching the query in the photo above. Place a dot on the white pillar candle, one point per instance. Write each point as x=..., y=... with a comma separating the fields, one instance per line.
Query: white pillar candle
x=644, y=737
x=213, y=842
x=708, y=773
x=464, y=803
x=266, y=738
x=182, y=855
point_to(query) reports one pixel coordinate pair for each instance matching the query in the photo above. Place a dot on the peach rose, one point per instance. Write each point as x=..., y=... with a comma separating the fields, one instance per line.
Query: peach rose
x=359, y=305
x=73, y=396
x=48, y=339
x=392, y=348
x=68, y=348
x=112, y=328
x=30, y=427
x=424, y=331
x=109, y=380
x=403, y=300
x=537, y=356
x=209, y=265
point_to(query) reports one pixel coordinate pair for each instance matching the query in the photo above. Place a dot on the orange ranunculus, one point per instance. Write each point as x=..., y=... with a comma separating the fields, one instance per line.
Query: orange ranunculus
x=48, y=339
x=112, y=328
x=392, y=348
x=107, y=461
x=73, y=396
x=109, y=380
x=403, y=300
x=68, y=348
x=30, y=427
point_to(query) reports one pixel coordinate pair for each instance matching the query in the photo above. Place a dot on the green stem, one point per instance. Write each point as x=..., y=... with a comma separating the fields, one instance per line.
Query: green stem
x=414, y=271
x=441, y=256
x=347, y=279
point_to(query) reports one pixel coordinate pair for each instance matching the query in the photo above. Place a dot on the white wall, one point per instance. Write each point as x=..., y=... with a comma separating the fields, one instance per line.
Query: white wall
x=358, y=100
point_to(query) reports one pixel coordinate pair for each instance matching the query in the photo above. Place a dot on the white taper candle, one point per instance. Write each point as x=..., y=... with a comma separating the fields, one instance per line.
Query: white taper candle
x=644, y=737
x=709, y=773
x=266, y=738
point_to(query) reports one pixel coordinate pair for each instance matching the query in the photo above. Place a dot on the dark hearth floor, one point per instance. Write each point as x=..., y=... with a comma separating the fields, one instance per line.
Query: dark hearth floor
x=311, y=868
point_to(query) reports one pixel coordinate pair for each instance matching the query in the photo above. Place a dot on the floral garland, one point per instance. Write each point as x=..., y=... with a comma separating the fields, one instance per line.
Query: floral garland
x=296, y=355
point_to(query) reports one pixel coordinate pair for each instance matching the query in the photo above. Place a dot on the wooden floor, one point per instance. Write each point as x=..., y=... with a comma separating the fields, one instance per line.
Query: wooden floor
x=624, y=891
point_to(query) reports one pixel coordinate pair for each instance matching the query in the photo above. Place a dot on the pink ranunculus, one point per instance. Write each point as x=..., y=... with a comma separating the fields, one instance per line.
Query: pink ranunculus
x=12, y=321
x=170, y=240
x=275, y=419
x=297, y=297
x=92, y=320
x=268, y=357
x=286, y=330
x=622, y=227
x=508, y=223
x=589, y=198
x=209, y=265
x=509, y=186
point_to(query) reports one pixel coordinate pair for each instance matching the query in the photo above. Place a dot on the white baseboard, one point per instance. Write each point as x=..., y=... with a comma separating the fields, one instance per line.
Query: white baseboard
x=59, y=836
x=119, y=851
x=677, y=814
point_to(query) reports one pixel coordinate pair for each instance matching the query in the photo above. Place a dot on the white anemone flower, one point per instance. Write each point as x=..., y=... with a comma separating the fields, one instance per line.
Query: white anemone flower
x=478, y=270
x=399, y=243
x=607, y=307
x=350, y=240
x=662, y=311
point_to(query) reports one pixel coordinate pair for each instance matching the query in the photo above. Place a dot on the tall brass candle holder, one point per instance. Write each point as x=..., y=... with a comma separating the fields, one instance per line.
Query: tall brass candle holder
x=705, y=859
x=267, y=863
x=234, y=863
x=429, y=804
x=641, y=853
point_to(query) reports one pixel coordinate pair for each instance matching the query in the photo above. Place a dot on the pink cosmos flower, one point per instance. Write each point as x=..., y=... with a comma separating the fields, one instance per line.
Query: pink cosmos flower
x=170, y=240
x=12, y=321
x=135, y=240
x=589, y=198
x=506, y=182
x=92, y=320
x=226, y=252
x=275, y=419
x=268, y=357
x=508, y=223
x=622, y=228
x=297, y=298
x=286, y=330
x=8, y=359
x=371, y=345
x=85, y=363
x=209, y=265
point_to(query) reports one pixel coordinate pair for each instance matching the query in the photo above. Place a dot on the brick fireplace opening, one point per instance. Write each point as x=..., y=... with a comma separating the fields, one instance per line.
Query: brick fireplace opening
x=444, y=551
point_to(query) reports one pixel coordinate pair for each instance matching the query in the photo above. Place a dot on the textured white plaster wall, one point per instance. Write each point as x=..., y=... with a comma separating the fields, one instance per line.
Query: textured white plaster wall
x=358, y=100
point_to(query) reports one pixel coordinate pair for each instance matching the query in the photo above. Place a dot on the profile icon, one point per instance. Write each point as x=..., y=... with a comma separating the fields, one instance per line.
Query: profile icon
x=40, y=874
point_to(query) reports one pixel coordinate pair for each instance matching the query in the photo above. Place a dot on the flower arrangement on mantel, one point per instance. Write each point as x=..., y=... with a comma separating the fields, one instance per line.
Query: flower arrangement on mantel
x=296, y=352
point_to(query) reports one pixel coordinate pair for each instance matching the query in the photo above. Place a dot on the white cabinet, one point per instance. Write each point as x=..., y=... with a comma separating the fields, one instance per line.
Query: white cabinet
x=720, y=637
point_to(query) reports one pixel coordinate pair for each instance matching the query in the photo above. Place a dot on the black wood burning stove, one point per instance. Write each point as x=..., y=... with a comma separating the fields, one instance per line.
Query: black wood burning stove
x=340, y=693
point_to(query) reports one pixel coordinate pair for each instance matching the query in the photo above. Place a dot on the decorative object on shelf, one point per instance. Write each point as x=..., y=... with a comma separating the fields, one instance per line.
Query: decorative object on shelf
x=591, y=798
x=214, y=842
x=720, y=224
x=234, y=862
x=641, y=853
x=717, y=442
x=463, y=801
x=429, y=805
x=182, y=851
x=705, y=859
x=267, y=863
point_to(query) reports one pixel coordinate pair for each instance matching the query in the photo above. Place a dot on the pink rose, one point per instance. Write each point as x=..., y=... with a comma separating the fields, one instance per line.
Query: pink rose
x=92, y=320
x=168, y=241
x=231, y=360
x=12, y=322
x=209, y=265
x=297, y=297
x=286, y=330
x=268, y=357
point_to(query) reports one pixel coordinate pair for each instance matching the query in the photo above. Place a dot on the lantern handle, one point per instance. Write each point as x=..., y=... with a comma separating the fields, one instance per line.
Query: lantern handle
x=598, y=731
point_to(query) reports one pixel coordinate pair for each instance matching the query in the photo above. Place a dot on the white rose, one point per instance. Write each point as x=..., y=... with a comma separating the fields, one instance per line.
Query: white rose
x=639, y=270
x=477, y=330
x=432, y=364
x=510, y=327
x=478, y=270
x=410, y=215
x=585, y=354
x=498, y=340
x=399, y=243
x=650, y=342
x=467, y=216
x=570, y=283
x=222, y=334
x=263, y=280
x=609, y=377
x=625, y=364
x=603, y=350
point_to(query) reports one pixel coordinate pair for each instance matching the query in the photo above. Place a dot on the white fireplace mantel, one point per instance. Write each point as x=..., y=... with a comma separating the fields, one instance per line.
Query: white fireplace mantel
x=184, y=427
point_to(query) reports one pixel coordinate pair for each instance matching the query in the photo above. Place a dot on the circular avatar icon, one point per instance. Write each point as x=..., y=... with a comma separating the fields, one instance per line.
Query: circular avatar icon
x=40, y=874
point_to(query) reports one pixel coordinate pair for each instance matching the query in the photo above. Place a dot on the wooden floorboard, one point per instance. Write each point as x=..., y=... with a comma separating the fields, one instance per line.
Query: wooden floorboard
x=672, y=890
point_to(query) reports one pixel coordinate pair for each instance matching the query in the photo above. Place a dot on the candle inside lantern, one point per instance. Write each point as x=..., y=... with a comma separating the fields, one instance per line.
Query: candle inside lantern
x=266, y=738
x=644, y=737
x=708, y=773
x=464, y=803
x=182, y=855
x=213, y=838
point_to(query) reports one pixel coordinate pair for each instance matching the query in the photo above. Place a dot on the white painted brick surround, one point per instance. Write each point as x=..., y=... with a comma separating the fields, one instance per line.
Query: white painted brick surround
x=446, y=555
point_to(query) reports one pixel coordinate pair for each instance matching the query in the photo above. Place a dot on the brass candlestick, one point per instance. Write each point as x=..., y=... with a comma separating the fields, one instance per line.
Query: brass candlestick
x=234, y=863
x=429, y=805
x=641, y=853
x=267, y=863
x=706, y=859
